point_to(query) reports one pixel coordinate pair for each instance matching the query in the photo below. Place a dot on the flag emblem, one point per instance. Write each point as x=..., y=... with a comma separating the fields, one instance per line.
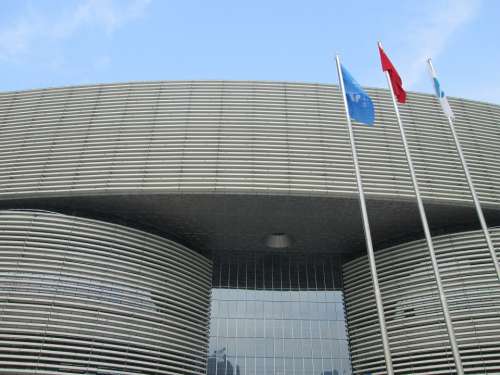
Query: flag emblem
x=359, y=102
x=443, y=100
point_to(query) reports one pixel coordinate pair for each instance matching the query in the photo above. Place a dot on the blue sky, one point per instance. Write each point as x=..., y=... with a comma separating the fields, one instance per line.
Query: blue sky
x=58, y=43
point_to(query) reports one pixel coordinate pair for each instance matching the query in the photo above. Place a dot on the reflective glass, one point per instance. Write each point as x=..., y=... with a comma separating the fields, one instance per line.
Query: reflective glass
x=277, y=315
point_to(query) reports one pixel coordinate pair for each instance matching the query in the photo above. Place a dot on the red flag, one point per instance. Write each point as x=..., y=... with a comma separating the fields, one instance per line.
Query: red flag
x=397, y=84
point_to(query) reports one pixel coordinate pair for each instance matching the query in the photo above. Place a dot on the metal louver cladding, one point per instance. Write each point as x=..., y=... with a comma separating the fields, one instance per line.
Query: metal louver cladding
x=219, y=136
x=80, y=296
x=417, y=333
x=224, y=166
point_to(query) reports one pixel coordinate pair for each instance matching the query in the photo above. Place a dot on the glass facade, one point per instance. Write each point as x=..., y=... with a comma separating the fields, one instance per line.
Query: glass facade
x=277, y=314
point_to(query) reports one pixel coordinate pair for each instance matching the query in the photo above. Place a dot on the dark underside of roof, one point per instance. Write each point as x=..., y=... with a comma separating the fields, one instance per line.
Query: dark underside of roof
x=218, y=223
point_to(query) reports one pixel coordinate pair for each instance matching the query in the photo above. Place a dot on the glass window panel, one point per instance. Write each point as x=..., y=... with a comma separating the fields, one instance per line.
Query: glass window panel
x=322, y=311
x=292, y=311
x=212, y=342
x=240, y=308
x=315, y=330
x=231, y=327
x=269, y=365
x=260, y=348
x=213, y=327
x=305, y=331
x=305, y=347
x=221, y=327
x=324, y=328
x=259, y=328
x=250, y=276
x=294, y=282
x=297, y=324
x=278, y=347
x=343, y=349
x=251, y=347
x=331, y=310
x=318, y=365
x=327, y=366
x=340, y=311
x=214, y=308
x=259, y=309
x=327, y=348
x=242, y=275
x=308, y=366
x=298, y=365
x=259, y=366
x=233, y=273
x=239, y=365
x=223, y=312
x=279, y=366
x=221, y=343
x=304, y=310
x=277, y=309
x=249, y=328
x=277, y=327
x=316, y=347
x=269, y=346
x=268, y=309
x=224, y=279
x=252, y=327
x=287, y=348
x=269, y=328
x=230, y=346
x=250, y=366
x=286, y=329
x=341, y=330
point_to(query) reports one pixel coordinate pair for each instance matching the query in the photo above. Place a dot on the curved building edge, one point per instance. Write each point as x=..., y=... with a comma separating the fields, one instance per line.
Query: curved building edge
x=417, y=333
x=86, y=296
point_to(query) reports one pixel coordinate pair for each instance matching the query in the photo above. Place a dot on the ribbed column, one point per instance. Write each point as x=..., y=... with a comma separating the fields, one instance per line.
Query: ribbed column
x=80, y=296
x=417, y=333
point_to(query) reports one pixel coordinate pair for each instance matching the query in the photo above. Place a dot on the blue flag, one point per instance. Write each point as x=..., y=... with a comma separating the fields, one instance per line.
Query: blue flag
x=359, y=103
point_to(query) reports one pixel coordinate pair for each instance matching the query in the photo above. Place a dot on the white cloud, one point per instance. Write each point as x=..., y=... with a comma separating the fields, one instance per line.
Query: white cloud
x=428, y=37
x=34, y=27
x=106, y=14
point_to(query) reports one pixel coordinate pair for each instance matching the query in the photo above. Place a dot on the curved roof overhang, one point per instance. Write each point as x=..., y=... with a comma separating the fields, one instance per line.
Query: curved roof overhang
x=219, y=166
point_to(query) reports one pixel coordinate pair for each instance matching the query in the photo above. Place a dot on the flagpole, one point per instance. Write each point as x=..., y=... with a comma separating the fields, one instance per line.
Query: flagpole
x=366, y=227
x=475, y=198
x=428, y=237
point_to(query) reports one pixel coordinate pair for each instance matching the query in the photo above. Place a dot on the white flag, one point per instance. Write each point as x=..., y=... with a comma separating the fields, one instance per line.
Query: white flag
x=440, y=93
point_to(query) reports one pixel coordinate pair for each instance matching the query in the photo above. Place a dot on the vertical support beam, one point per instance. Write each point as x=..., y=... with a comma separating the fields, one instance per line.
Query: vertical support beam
x=428, y=237
x=366, y=227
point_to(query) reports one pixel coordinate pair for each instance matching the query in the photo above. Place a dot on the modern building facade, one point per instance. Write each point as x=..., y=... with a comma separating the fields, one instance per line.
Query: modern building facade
x=213, y=227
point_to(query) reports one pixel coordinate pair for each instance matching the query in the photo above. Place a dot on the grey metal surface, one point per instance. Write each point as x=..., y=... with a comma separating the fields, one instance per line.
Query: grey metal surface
x=221, y=165
x=233, y=136
x=82, y=296
x=156, y=142
x=417, y=332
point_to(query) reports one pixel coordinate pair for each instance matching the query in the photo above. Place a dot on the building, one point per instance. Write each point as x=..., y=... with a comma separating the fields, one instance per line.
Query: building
x=125, y=207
